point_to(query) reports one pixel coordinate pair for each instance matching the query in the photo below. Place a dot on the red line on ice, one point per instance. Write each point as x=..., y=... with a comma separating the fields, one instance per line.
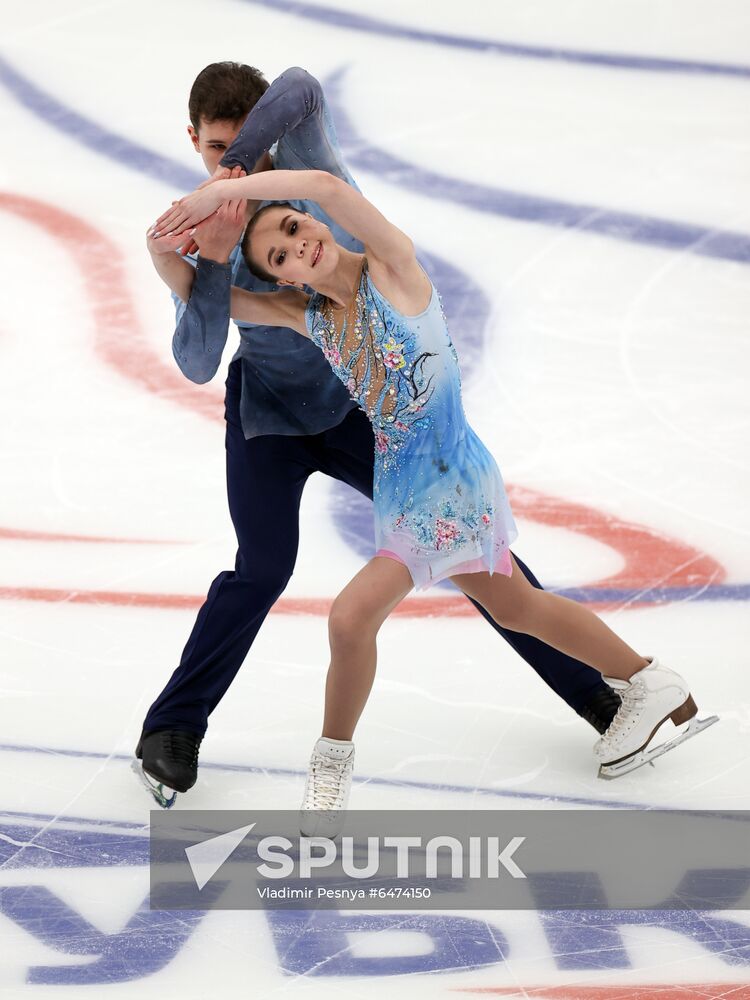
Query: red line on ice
x=650, y=558
x=120, y=340
x=26, y=535
x=411, y=607
x=661, y=991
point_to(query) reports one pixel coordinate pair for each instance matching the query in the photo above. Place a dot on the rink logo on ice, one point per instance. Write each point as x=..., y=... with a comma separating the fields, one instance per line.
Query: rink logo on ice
x=51, y=871
x=80, y=893
x=488, y=859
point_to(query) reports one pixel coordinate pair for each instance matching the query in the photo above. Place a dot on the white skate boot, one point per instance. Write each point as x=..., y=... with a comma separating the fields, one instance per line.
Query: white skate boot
x=649, y=698
x=329, y=779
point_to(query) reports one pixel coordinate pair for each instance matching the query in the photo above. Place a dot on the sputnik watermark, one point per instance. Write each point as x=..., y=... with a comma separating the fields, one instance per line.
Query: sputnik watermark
x=485, y=859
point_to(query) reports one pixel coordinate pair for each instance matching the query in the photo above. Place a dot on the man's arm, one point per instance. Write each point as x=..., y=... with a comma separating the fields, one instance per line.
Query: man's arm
x=174, y=270
x=202, y=323
x=293, y=109
x=200, y=291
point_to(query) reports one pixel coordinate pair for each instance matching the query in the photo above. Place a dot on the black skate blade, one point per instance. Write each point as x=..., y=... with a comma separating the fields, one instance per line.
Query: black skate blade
x=610, y=771
x=162, y=794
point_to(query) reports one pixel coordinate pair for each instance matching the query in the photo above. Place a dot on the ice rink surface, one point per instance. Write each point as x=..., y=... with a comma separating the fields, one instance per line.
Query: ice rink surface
x=578, y=172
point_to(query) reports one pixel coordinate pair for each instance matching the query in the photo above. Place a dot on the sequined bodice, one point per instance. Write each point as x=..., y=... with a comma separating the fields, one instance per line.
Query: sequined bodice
x=394, y=366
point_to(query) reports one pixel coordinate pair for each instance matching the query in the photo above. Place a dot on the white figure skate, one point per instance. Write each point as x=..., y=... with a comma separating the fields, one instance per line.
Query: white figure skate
x=329, y=780
x=649, y=698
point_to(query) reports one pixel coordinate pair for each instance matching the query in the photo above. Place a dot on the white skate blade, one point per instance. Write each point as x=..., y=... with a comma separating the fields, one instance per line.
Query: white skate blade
x=162, y=794
x=649, y=755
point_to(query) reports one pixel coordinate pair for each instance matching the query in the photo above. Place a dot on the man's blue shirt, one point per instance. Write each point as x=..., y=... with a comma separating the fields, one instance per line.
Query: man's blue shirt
x=287, y=385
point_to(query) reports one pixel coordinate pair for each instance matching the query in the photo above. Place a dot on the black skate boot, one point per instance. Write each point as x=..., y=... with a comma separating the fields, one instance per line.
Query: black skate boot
x=169, y=763
x=602, y=708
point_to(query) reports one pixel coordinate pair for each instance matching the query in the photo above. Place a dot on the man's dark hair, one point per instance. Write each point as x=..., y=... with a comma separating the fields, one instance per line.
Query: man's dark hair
x=225, y=91
x=254, y=268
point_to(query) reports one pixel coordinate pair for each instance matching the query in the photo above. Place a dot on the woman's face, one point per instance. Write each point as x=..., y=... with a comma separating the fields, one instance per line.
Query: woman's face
x=294, y=247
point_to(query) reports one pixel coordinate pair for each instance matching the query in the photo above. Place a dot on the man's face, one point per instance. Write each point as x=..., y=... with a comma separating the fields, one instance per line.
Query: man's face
x=213, y=139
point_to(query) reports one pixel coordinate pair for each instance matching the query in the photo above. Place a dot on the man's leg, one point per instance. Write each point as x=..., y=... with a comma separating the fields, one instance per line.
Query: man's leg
x=265, y=479
x=347, y=455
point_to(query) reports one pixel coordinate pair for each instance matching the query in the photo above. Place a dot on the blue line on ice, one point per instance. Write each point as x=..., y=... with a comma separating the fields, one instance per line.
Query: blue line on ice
x=628, y=226
x=287, y=772
x=339, y=18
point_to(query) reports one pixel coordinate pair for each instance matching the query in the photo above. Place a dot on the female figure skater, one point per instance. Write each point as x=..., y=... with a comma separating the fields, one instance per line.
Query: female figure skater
x=440, y=504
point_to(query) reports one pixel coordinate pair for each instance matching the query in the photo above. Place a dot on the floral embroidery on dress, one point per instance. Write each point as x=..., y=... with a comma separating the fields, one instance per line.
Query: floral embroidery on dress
x=331, y=354
x=449, y=528
x=381, y=442
x=446, y=533
x=393, y=355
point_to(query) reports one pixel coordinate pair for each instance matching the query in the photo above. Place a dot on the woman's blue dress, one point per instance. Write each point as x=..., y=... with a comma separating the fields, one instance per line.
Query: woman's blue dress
x=440, y=502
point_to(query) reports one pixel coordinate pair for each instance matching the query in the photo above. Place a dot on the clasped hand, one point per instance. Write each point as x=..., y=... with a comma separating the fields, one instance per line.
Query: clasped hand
x=204, y=220
x=192, y=209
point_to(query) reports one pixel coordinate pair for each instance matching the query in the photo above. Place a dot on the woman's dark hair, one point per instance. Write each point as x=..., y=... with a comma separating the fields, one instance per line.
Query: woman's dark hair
x=225, y=91
x=257, y=269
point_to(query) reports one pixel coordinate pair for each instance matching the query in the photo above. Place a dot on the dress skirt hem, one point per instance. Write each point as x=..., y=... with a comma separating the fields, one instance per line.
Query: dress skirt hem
x=427, y=574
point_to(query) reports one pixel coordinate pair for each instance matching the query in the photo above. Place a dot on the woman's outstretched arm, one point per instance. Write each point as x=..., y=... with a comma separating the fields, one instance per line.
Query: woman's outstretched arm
x=351, y=210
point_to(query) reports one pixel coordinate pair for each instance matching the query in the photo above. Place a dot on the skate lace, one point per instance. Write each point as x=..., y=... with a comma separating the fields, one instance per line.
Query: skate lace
x=633, y=700
x=182, y=748
x=325, y=789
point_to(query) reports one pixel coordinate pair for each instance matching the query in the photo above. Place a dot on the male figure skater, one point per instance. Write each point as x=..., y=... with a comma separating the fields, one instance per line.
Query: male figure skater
x=287, y=415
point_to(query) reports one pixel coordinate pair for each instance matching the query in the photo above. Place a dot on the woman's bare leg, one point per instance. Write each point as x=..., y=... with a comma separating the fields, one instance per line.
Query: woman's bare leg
x=562, y=623
x=353, y=624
